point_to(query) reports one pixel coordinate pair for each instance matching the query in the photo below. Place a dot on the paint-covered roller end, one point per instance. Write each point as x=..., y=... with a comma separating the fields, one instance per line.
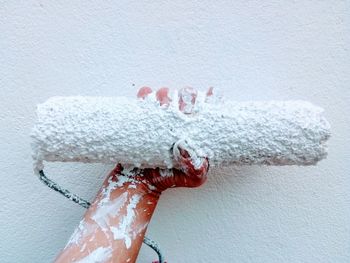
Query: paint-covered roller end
x=142, y=134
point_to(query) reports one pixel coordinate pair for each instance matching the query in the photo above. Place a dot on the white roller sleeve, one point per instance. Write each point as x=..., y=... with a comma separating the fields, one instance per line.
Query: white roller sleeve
x=141, y=133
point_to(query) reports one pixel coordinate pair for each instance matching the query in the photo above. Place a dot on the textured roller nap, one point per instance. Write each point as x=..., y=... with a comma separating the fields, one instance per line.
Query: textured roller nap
x=141, y=133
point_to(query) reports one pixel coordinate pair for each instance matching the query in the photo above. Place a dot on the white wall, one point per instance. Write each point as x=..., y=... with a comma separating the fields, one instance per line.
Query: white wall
x=247, y=50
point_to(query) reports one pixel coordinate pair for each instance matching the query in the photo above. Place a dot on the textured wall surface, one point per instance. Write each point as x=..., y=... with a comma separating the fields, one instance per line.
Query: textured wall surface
x=249, y=50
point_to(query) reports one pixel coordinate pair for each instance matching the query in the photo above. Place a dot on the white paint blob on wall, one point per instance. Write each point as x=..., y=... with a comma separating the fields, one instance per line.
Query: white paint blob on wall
x=248, y=50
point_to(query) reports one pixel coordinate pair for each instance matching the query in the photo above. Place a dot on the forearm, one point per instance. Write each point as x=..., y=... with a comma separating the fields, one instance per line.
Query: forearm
x=113, y=228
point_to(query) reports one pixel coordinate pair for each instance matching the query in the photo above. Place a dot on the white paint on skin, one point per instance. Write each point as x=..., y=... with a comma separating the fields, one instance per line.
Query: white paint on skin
x=99, y=255
x=84, y=229
x=139, y=229
x=112, y=185
x=166, y=172
x=187, y=96
x=124, y=230
x=196, y=159
x=150, y=187
x=108, y=209
x=83, y=247
x=215, y=98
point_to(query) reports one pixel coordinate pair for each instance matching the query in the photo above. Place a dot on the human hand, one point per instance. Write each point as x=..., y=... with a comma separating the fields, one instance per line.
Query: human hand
x=193, y=168
x=117, y=220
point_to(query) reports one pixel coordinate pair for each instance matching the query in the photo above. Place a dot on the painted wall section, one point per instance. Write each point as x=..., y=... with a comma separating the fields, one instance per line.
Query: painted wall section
x=248, y=50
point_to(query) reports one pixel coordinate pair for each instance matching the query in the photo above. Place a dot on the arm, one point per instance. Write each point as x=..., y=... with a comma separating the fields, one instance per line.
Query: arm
x=115, y=224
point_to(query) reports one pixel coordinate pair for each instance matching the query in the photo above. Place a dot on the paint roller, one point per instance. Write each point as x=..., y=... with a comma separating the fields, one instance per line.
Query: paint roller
x=142, y=134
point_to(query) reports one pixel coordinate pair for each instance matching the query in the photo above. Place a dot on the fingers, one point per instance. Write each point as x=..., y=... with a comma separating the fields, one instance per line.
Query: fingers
x=162, y=96
x=143, y=92
x=186, y=97
x=192, y=172
x=190, y=178
x=188, y=158
x=212, y=97
x=210, y=92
